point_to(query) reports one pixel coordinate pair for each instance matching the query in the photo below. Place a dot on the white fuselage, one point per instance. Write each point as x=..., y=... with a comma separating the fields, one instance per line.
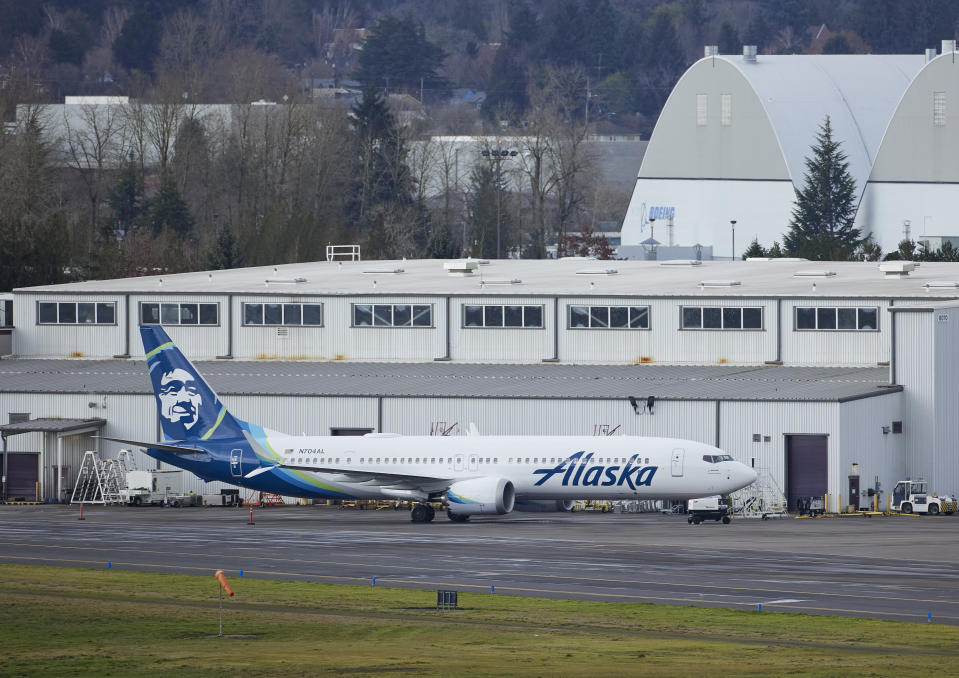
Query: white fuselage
x=539, y=467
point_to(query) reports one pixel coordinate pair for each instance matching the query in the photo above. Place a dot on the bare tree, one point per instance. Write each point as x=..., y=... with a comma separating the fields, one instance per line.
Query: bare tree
x=94, y=147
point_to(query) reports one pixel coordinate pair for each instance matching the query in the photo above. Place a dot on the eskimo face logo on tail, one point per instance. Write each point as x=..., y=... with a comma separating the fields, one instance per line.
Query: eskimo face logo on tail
x=180, y=398
x=577, y=471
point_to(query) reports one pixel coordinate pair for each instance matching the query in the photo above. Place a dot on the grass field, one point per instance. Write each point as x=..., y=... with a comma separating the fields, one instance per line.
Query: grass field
x=67, y=622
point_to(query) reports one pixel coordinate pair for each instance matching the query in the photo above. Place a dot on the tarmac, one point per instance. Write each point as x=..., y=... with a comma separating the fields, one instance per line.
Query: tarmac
x=900, y=567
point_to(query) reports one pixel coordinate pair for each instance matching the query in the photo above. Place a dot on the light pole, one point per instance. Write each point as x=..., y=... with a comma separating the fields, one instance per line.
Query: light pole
x=498, y=155
x=732, y=222
x=652, y=227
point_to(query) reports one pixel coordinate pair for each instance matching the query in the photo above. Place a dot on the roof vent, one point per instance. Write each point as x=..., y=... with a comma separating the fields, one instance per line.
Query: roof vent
x=948, y=46
x=461, y=268
x=681, y=262
x=597, y=271
x=384, y=271
x=711, y=50
x=719, y=283
x=897, y=269
x=514, y=281
x=814, y=273
x=941, y=284
x=930, y=54
x=749, y=53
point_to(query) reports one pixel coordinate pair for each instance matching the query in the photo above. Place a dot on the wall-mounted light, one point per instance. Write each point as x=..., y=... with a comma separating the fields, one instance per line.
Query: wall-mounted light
x=885, y=430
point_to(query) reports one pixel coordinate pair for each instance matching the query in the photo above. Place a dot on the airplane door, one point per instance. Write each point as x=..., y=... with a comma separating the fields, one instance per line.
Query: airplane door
x=458, y=462
x=677, y=463
x=236, y=463
x=473, y=462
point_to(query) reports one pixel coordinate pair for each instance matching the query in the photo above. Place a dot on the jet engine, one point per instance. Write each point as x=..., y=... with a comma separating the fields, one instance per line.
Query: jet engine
x=481, y=496
x=544, y=505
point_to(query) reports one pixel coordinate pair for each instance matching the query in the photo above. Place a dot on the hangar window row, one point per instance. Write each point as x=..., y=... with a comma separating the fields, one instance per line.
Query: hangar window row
x=283, y=314
x=77, y=313
x=153, y=313
x=837, y=318
x=609, y=317
x=502, y=315
x=721, y=317
x=392, y=315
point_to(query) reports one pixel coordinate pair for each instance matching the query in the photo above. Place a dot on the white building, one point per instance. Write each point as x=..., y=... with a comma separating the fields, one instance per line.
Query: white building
x=733, y=137
x=802, y=369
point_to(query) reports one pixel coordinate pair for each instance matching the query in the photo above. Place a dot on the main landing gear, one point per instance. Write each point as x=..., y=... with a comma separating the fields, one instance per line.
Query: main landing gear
x=422, y=513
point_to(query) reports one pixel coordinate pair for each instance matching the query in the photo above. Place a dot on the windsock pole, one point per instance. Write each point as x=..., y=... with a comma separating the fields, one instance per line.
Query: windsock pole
x=224, y=586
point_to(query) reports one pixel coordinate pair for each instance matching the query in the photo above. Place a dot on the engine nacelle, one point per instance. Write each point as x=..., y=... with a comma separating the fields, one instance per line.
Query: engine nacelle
x=481, y=496
x=544, y=505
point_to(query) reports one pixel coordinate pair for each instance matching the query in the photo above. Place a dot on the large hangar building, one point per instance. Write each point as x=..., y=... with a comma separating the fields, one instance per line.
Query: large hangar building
x=733, y=137
x=802, y=370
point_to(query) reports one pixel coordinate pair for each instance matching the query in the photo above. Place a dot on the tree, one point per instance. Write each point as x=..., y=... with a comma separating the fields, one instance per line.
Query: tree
x=224, y=252
x=397, y=54
x=587, y=243
x=168, y=210
x=822, y=220
x=755, y=250
x=506, y=93
x=728, y=39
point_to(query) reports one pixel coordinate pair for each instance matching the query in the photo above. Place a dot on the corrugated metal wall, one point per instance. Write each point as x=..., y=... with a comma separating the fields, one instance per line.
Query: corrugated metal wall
x=834, y=347
x=664, y=342
x=66, y=341
x=915, y=368
x=501, y=344
x=741, y=420
x=862, y=442
x=943, y=469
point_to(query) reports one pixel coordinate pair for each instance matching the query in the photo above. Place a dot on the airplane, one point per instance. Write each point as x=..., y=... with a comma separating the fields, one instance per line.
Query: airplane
x=472, y=474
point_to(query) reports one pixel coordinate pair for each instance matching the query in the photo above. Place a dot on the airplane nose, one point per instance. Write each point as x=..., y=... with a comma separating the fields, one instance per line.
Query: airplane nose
x=749, y=475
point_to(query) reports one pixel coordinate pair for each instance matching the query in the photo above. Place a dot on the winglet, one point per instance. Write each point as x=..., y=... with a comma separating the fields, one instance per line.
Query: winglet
x=263, y=469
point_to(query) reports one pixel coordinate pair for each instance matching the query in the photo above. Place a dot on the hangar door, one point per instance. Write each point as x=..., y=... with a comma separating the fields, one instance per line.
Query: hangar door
x=22, y=475
x=807, y=459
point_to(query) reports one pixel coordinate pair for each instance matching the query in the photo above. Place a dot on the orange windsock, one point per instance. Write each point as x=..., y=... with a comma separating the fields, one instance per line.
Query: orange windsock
x=220, y=577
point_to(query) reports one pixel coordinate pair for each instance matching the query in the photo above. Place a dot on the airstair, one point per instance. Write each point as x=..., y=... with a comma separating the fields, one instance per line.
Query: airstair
x=763, y=499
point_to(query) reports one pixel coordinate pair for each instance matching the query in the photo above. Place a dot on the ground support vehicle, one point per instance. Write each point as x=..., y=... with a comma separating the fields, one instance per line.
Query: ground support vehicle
x=912, y=496
x=708, y=508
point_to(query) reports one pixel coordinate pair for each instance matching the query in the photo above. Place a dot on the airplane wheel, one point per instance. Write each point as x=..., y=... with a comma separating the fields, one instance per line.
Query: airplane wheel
x=933, y=510
x=418, y=514
x=430, y=513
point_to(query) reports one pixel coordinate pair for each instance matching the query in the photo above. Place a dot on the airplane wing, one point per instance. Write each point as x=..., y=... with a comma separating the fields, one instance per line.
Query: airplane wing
x=397, y=481
x=174, y=446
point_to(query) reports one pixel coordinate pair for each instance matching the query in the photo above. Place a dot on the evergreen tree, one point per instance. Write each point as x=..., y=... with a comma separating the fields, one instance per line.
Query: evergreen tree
x=126, y=197
x=168, y=209
x=487, y=214
x=397, y=55
x=729, y=39
x=822, y=220
x=506, y=92
x=224, y=253
x=755, y=250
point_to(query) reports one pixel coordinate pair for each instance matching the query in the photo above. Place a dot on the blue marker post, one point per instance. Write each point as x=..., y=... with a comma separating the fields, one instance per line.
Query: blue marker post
x=759, y=607
x=373, y=581
x=492, y=589
x=241, y=573
x=929, y=617
x=109, y=564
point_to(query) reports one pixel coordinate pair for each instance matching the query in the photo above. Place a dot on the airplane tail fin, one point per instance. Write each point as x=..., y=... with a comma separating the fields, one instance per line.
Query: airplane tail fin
x=189, y=409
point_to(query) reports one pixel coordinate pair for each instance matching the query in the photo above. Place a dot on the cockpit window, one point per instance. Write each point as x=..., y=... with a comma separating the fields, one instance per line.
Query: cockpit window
x=716, y=458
